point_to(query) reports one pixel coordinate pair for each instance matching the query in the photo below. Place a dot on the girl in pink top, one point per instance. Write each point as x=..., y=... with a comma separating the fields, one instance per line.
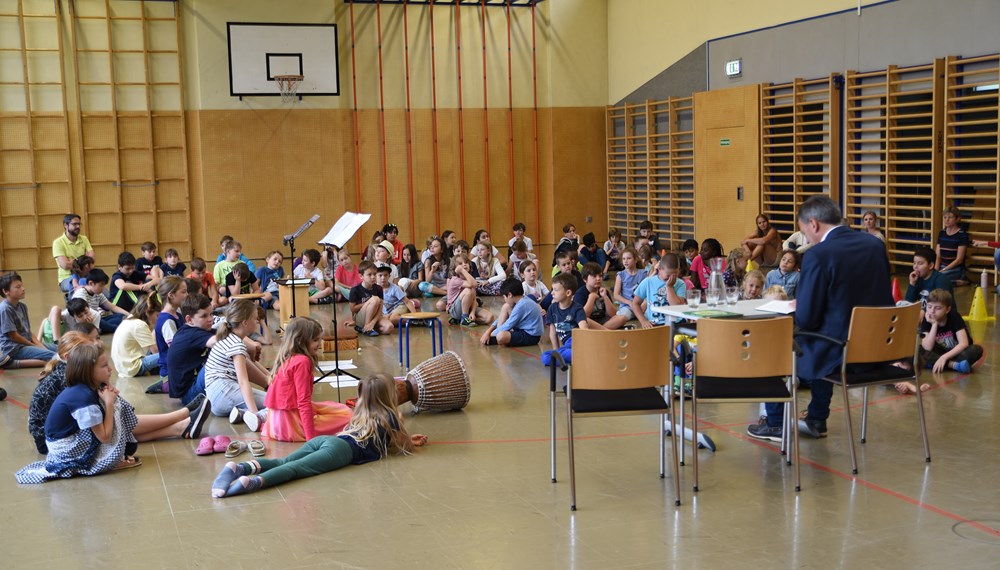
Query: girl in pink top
x=292, y=414
x=346, y=275
x=700, y=269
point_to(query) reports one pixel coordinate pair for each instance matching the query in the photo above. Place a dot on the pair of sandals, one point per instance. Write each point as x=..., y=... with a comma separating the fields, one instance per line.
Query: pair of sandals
x=236, y=448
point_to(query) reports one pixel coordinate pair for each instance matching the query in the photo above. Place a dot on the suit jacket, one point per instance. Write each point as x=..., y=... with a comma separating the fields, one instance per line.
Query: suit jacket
x=849, y=269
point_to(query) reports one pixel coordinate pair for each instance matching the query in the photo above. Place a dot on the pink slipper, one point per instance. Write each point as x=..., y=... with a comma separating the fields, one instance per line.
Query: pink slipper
x=221, y=443
x=206, y=446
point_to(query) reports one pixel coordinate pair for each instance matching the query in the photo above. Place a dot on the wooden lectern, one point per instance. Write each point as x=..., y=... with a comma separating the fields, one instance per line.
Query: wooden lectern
x=301, y=299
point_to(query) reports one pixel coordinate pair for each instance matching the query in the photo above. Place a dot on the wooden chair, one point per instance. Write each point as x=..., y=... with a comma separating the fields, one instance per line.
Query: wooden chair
x=877, y=338
x=747, y=361
x=618, y=373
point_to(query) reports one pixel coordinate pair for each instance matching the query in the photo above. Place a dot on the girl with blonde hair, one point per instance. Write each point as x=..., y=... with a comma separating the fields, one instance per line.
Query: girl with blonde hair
x=292, y=413
x=375, y=430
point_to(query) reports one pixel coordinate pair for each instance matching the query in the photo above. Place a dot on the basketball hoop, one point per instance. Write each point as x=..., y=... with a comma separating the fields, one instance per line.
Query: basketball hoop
x=289, y=86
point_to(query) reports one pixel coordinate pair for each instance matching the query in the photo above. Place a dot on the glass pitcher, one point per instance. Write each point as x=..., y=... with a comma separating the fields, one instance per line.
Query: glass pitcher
x=716, y=288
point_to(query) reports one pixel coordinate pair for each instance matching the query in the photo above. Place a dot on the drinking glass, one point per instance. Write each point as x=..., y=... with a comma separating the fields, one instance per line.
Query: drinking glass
x=732, y=295
x=694, y=298
x=712, y=297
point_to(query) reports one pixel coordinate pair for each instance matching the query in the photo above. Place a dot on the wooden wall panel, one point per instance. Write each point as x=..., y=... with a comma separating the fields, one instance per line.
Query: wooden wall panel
x=502, y=208
x=579, y=171
x=425, y=208
x=448, y=173
x=526, y=201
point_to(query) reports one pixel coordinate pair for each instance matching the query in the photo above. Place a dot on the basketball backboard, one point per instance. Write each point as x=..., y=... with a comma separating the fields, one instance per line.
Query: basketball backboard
x=260, y=51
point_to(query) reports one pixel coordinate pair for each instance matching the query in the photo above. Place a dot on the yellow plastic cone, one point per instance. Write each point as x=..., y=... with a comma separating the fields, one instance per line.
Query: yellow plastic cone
x=978, y=310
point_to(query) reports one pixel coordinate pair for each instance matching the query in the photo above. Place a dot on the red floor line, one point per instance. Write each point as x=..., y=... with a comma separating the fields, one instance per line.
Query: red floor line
x=16, y=403
x=866, y=483
x=540, y=439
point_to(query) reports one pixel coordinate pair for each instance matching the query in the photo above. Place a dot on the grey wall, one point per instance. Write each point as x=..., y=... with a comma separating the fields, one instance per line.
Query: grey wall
x=681, y=79
x=900, y=32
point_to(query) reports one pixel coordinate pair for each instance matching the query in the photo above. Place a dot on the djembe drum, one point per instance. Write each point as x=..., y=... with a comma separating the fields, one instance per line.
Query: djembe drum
x=436, y=385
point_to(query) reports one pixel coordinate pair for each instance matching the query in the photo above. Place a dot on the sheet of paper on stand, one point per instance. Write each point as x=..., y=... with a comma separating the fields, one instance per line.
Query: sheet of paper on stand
x=345, y=227
x=781, y=307
x=343, y=380
x=327, y=365
x=297, y=282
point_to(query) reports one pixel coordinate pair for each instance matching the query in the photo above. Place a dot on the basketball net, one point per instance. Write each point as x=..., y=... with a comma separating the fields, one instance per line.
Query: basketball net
x=288, y=85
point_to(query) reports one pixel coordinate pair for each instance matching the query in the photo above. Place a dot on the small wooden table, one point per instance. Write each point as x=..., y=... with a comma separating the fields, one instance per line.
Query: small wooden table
x=437, y=333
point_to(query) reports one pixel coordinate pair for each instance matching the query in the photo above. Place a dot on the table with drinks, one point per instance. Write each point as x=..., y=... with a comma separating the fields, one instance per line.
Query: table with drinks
x=720, y=302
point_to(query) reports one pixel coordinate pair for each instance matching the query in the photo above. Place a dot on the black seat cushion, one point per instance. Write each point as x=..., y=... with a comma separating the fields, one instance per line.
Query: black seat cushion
x=878, y=373
x=710, y=387
x=593, y=401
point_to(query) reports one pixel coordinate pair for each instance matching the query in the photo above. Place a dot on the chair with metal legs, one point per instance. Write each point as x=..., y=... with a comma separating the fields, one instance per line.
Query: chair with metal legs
x=616, y=373
x=879, y=339
x=747, y=361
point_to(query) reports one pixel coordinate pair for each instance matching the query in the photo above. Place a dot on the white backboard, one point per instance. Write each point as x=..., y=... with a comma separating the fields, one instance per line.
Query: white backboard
x=259, y=51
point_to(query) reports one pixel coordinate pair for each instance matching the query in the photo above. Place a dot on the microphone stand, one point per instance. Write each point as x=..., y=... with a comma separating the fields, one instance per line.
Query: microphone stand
x=289, y=240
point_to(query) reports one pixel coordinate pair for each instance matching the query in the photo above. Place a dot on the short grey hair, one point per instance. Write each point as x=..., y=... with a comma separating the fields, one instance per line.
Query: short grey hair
x=822, y=209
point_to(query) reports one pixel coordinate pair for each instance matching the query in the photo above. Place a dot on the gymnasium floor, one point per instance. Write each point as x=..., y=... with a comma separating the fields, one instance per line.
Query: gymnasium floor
x=479, y=495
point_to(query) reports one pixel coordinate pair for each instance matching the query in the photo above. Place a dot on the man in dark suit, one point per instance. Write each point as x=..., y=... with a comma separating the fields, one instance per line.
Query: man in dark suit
x=844, y=269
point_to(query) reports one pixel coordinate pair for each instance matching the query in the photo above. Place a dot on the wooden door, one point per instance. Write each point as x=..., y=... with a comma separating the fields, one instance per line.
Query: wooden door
x=727, y=163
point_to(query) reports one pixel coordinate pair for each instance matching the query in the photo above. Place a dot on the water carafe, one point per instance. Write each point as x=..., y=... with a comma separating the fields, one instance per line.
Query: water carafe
x=716, y=288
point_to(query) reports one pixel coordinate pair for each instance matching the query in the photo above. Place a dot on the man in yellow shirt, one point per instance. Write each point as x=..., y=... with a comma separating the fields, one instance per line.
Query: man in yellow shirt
x=69, y=246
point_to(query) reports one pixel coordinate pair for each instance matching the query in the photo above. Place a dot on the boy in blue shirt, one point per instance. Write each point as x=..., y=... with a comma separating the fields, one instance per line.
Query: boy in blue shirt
x=189, y=349
x=562, y=317
x=268, y=275
x=664, y=288
x=924, y=278
x=520, y=321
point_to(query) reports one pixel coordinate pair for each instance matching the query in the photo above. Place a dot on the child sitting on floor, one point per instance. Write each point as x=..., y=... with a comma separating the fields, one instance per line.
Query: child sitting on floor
x=534, y=288
x=60, y=320
x=321, y=291
x=93, y=294
x=626, y=282
x=80, y=268
x=753, y=285
x=614, y=248
x=519, y=254
x=133, y=348
x=234, y=253
x=148, y=264
x=375, y=430
x=946, y=340
x=366, y=304
x=292, y=413
x=562, y=316
x=231, y=372
x=189, y=349
x=209, y=288
x=18, y=348
x=224, y=244
x=597, y=302
x=659, y=290
x=461, y=298
x=519, y=229
x=127, y=284
x=268, y=275
x=346, y=275
x=520, y=321
x=924, y=278
x=786, y=275
x=395, y=303
x=172, y=264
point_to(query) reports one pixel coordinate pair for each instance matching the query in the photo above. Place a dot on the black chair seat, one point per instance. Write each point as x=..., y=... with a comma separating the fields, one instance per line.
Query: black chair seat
x=738, y=388
x=596, y=401
x=880, y=373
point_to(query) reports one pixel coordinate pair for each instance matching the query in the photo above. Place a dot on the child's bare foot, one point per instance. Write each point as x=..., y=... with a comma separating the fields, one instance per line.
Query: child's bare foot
x=910, y=388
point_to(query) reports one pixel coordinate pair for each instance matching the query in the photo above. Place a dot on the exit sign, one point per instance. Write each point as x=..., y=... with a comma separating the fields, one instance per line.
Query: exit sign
x=734, y=68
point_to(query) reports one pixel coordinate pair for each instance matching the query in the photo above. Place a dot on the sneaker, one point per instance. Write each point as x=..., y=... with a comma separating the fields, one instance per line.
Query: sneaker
x=453, y=321
x=155, y=388
x=963, y=367
x=252, y=420
x=813, y=428
x=198, y=418
x=765, y=432
x=195, y=403
x=469, y=322
x=235, y=416
x=372, y=332
x=358, y=329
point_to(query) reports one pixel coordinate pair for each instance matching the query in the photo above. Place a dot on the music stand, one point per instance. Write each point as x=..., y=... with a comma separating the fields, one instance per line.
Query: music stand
x=289, y=240
x=338, y=236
